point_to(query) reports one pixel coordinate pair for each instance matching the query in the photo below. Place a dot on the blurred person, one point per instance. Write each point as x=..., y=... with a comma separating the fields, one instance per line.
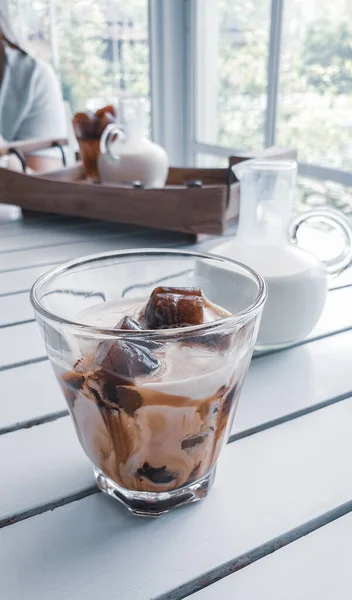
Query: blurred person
x=31, y=104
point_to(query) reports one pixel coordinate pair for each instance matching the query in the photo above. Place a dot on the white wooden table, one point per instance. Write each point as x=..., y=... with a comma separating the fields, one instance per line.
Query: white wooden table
x=276, y=524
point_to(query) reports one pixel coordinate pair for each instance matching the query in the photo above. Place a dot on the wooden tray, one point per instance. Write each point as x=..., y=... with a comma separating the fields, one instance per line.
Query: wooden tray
x=179, y=206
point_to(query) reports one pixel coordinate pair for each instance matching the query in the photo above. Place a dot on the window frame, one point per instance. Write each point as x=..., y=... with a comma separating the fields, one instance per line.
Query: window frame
x=170, y=51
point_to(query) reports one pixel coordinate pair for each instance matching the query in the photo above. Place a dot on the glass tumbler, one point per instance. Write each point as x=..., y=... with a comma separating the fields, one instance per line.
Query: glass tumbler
x=151, y=408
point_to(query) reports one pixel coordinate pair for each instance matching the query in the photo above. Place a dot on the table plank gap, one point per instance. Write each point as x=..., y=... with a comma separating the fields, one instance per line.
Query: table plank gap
x=296, y=379
x=23, y=363
x=18, y=292
x=24, y=322
x=288, y=417
x=50, y=506
x=34, y=422
x=308, y=340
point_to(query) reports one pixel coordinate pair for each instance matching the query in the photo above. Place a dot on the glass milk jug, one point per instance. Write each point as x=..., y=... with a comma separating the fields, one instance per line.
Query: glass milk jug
x=267, y=241
x=127, y=156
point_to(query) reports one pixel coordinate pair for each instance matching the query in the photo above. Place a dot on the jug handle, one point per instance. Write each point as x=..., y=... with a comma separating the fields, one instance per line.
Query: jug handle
x=110, y=134
x=334, y=266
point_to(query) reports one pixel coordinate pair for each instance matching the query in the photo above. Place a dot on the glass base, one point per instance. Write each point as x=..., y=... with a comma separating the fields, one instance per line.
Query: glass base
x=155, y=504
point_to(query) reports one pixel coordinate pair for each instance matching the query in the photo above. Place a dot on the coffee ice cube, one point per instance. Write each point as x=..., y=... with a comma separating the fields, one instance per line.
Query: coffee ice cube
x=174, y=307
x=129, y=324
x=123, y=361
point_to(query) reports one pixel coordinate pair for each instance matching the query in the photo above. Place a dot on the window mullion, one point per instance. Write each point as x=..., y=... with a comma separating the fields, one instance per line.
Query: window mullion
x=314, y=171
x=273, y=71
x=169, y=60
x=55, y=56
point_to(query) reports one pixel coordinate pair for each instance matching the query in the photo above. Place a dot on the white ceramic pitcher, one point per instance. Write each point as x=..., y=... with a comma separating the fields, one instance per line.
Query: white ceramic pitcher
x=126, y=156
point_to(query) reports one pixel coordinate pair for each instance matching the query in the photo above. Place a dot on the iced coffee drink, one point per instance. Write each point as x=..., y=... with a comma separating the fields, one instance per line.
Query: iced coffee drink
x=151, y=349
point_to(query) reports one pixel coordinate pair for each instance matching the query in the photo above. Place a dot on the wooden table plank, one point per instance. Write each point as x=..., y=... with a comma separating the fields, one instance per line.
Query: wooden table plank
x=28, y=394
x=317, y=567
x=92, y=545
x=109, y=241
x=10, y=227
x=49, y=465
x=31, y=229
x=344, y=279
x=54, y=236
x=23, y=278
x=15, y=309
x=283, y=384
x=337, y=313
x=20, y=343
x=14, y=282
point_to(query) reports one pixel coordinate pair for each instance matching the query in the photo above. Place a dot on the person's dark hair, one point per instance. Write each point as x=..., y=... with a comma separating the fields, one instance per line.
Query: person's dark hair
x=4, y=40
x=7, y=35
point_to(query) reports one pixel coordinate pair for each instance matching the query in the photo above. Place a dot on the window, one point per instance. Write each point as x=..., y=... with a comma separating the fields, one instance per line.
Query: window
x=99, y=48
x=315, y=91
x=273, y=72
x=230, y=72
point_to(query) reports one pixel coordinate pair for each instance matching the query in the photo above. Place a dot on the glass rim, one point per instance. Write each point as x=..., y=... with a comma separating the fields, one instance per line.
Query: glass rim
x=109, y=332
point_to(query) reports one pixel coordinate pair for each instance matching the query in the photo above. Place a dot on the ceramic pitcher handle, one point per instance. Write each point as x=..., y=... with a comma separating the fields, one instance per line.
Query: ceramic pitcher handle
x=110, y=134
x=334, y=266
